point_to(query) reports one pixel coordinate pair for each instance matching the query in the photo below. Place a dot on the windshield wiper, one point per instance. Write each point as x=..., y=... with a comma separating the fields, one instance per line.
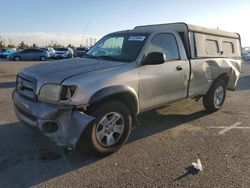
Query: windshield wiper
x=112, y=58
x=89, y=56
x=107, y=57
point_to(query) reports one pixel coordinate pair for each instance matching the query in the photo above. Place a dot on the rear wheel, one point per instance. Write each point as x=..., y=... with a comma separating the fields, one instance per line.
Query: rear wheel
x=215, y=97
x=111, y=128
x=17, y=58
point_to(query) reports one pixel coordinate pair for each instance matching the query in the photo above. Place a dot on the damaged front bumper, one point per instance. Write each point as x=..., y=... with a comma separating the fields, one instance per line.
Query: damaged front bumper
x=62, y=124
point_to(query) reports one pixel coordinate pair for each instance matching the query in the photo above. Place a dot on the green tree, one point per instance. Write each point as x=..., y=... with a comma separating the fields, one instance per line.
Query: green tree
x=22, y=45
x=70, y=46
x=34, y=46
x=11, y=46
x=1, y=43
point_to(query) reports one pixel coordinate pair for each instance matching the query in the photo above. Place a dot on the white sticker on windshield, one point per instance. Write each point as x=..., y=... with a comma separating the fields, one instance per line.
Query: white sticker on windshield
x=136, y=38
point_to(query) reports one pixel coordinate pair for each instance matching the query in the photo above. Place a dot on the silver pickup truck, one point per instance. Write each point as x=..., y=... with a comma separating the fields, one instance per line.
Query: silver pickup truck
x=95, y=100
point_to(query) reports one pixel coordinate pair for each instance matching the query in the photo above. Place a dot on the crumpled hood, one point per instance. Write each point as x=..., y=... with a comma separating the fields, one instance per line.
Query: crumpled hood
x=57, y=71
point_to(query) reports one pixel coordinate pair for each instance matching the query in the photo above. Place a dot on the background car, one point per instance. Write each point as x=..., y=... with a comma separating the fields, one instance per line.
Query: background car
x=2, y=51
x=64, y=53
x=80, y=52
x=7, y=53
x=51, y=51
x=30, y=54
x=246, y=55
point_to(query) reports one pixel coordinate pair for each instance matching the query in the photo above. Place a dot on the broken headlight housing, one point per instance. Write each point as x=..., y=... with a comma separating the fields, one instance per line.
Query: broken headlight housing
x=53, y=93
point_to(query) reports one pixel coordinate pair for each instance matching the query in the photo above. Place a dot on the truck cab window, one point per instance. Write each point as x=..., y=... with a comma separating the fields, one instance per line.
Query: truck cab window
x=165, y=43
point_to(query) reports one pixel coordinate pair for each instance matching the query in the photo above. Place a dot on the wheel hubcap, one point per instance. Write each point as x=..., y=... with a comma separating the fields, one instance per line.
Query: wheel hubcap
x=109, y=129
x=218, y=95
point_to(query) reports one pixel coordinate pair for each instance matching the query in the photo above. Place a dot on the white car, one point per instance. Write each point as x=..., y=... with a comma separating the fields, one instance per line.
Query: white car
x=63, y=53
x=51, y=51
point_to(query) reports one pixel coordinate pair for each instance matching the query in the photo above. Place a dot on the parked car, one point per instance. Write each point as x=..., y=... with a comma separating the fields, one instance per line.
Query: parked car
x=30, y=54
x=2, y=51
x=64, y=53
x=94, y=100
x=51, y=52
x=7, y=53
x=80, y=52
x=246, y=55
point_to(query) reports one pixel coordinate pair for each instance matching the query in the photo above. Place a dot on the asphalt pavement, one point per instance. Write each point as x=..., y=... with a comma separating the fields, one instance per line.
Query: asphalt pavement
x=159, y=152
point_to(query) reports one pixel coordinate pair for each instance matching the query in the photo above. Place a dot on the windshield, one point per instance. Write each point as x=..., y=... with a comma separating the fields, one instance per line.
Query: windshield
x=61, y=49
x=118, y=47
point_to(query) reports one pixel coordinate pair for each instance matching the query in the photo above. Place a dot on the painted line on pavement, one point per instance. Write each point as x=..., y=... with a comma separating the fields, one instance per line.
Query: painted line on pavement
x=226, y=129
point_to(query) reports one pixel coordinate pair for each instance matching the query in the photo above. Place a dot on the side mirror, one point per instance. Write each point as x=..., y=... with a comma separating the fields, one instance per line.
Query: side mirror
x=154, y=58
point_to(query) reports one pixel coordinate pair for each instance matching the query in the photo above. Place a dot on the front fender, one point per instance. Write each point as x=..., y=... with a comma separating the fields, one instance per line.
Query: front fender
x=125, y=93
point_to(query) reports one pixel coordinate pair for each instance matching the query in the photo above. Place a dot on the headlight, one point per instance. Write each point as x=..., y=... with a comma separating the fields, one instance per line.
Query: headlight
x=54, y=93
x=50, y=93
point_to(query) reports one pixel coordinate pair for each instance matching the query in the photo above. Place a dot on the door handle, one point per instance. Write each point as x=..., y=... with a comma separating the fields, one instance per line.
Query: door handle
x=179, y=68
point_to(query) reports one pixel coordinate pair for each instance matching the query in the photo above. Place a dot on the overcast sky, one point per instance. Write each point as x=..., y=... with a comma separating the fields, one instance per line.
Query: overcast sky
x=66, y=21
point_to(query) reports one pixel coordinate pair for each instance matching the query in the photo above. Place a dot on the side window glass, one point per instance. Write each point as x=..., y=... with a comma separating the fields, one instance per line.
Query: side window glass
x=24, y=51
x=166, y=44
x=36, y=50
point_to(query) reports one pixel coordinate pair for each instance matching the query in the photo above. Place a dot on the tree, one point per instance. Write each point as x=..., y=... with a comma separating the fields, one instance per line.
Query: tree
x=70, y=46
x=2, y=45
x=57, y=46
x=34, y=46
x=22, y=45
x=11, y=46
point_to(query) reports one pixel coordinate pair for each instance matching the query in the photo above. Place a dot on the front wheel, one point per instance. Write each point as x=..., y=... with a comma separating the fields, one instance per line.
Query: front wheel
x=215, y=97
x=42, y=58
x=111, y=129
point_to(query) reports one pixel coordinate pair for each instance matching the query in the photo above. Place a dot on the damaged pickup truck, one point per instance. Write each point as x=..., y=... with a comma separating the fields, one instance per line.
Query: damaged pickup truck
x=95, y=99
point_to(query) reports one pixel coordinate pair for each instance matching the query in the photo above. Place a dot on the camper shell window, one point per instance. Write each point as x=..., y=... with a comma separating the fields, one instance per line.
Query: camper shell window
x=228, y=48
x=212, y=47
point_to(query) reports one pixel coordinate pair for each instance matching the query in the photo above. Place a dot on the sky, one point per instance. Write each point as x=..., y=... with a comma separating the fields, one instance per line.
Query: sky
x=70, y=21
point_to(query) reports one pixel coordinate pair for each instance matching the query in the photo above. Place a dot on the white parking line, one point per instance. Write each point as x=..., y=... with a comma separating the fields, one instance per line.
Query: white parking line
x=2, y=122
x=226, y=129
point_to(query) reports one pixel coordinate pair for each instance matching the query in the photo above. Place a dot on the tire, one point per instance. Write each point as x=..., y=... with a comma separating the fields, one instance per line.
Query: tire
x=17, y=58
x=42, y=58
x=215, y=97
x=97, y=138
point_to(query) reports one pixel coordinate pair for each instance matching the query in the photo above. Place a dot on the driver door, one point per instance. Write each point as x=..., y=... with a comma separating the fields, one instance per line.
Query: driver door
x=163, y=83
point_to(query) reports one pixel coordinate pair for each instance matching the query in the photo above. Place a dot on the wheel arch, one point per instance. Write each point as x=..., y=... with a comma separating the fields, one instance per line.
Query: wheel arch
x=224, y=76
x=121, y=93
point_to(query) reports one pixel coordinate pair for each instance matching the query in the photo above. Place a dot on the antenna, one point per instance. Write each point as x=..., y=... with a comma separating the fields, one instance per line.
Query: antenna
x=85, y=30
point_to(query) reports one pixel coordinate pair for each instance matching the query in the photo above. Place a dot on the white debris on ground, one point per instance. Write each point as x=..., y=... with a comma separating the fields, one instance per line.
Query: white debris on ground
x=198, y=165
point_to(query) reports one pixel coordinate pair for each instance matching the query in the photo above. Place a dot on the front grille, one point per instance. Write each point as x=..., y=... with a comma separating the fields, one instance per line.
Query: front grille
x=26, y=86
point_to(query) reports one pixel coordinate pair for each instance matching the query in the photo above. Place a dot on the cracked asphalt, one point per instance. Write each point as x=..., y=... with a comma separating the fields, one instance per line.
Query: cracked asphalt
x=159, y=152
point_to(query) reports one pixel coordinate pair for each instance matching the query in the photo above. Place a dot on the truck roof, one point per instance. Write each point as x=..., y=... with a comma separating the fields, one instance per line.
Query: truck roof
x=183, y=27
